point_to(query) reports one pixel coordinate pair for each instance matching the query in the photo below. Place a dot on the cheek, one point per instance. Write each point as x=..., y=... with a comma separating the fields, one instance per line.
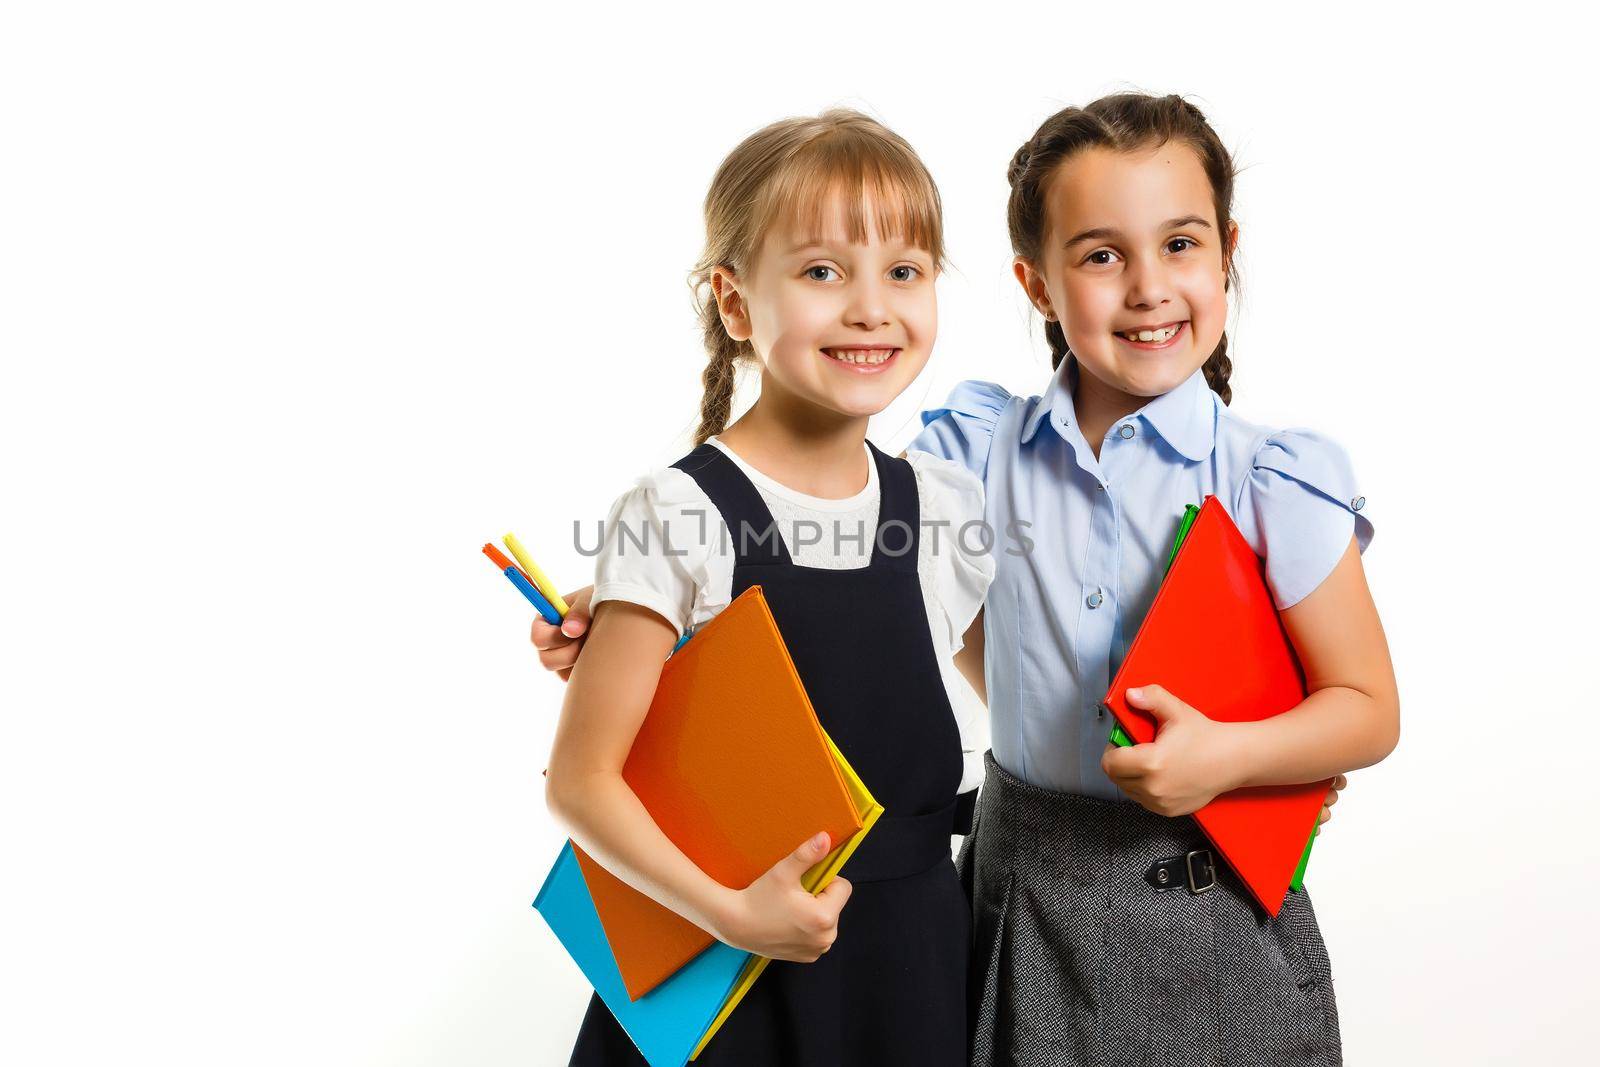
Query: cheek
x=792, y=318
x=1088, y=306
x=1208, y=306
x=919, y=312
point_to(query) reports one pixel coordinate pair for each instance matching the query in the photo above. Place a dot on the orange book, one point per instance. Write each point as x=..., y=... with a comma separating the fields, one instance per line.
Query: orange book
x=734, y=768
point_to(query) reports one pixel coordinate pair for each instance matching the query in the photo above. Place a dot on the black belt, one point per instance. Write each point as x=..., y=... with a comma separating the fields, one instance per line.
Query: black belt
x=903, y=845
x=1194, y=871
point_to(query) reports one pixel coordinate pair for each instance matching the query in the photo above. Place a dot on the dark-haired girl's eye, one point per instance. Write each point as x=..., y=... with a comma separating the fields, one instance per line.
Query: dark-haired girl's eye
x=903, y=273
x=820, y=273
x=1186, y=242
x=1101, y=256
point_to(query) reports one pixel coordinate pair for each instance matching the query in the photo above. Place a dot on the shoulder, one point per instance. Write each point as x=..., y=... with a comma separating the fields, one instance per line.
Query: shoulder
x=663, y=546
x=947, y=489
x=963, y=427
x=973, y=399
x=1285, y=462
x=1296, y=498
x=664, y=494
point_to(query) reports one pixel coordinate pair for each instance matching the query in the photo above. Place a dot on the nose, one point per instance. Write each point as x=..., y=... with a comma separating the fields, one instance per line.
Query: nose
x=867, y=307
x=1148, y=284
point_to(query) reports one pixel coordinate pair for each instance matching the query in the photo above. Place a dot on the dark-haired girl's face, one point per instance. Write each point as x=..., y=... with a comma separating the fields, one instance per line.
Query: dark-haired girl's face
x=1133, y=265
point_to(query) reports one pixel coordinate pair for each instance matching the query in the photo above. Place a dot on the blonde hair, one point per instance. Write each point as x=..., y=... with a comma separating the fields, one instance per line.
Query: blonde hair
x=796, y=171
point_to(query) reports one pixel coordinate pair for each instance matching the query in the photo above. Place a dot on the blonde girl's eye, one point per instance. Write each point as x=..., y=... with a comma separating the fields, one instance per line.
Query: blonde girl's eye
x=1101, y=257
x=904, y=273
x=821, y=273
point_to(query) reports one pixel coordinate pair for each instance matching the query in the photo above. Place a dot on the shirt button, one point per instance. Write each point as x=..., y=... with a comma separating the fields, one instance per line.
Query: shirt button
x=1358, y=503
x=1095, y=599
x=1126, y=432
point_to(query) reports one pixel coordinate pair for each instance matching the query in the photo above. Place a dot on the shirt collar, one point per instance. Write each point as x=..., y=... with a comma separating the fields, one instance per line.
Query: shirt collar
x=1057, y=400
x=1185, y=417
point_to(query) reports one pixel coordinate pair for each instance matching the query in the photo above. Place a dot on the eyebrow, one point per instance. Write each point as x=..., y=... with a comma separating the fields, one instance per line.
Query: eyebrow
x=1102, y=232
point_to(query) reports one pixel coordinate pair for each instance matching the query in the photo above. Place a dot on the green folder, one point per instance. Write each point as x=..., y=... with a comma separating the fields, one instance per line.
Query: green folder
x=1122, y=740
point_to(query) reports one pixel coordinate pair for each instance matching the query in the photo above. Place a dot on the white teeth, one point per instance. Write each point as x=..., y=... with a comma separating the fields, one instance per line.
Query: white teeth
x=1166, y=333
x=854, y=355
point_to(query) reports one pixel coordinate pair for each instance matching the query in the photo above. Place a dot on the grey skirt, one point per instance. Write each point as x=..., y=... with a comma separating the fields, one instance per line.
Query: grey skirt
x=1078, y=959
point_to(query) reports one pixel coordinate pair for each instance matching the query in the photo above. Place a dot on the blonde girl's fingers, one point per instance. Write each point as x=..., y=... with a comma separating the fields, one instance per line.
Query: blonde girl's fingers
x=545, y=637
x=1324, y=816
x=836, y=895
x=1339, y=782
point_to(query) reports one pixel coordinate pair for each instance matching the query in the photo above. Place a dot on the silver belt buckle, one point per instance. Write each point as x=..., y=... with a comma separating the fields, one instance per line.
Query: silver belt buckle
x=1209, y=870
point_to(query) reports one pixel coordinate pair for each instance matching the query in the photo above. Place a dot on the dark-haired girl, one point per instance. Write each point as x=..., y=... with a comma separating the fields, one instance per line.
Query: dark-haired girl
x=1120, y=218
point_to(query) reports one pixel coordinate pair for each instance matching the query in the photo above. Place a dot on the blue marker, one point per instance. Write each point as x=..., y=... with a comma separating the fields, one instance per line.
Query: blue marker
x=551, y=615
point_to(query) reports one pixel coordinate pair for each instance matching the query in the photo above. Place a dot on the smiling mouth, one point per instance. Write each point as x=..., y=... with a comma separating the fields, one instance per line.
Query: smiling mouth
x=861, y=357
x=1154, y=336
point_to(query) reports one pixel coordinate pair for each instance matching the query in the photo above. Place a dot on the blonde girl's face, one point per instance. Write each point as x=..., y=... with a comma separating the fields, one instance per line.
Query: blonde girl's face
x=843, y=324
x=1133, y=265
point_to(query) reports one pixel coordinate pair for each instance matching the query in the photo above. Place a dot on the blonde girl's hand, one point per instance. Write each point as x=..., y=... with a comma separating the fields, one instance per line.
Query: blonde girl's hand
x=559, y=645
x=1329, y=801
x=1184, y=768
x=776, y=917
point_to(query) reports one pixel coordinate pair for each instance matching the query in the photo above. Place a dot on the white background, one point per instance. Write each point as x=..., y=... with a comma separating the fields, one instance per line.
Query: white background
x=303, y=302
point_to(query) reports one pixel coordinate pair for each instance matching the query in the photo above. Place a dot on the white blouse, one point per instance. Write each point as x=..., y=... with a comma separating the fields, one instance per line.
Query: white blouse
x=665, y=547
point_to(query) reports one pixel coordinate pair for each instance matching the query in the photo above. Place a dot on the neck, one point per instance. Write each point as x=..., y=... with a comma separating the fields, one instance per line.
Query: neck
x=1099, y=406
x=797, y=443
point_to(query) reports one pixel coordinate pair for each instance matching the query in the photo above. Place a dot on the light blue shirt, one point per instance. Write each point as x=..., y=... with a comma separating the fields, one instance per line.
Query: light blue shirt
x=1080, y=543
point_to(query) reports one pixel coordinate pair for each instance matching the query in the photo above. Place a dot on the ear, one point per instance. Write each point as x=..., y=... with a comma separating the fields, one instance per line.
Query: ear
x=1032, y=282
x=1231, y=246
x=731, y=304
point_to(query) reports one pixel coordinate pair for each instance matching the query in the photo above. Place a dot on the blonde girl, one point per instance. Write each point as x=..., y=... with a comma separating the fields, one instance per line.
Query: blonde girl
x=823, y=242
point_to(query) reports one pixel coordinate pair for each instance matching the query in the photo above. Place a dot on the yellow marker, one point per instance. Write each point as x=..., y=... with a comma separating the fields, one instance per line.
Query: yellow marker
x=539, y=580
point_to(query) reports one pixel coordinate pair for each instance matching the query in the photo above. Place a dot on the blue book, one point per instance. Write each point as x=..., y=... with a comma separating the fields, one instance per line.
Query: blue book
x=666, y=1023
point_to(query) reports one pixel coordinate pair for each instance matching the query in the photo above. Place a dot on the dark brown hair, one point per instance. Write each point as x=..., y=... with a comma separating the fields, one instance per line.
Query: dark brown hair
x=792, y=171
x=1122, y=122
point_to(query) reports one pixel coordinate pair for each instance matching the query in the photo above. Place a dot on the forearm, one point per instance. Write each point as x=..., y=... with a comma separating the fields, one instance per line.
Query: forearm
x=1332, y=731
x=607, y=699
x=1352, y=717
x=605, y=817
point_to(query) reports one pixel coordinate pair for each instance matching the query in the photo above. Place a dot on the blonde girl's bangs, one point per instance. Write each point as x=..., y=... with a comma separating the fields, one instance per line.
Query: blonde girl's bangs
x=868, y=183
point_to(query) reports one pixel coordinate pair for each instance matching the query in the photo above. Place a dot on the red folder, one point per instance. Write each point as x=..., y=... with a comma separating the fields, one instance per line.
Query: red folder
x=1213, y=639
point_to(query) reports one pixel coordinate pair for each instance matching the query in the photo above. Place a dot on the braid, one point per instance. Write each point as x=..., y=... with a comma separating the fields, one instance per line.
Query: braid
x=1217, y=368
x=1057, y=337
x=717, y=378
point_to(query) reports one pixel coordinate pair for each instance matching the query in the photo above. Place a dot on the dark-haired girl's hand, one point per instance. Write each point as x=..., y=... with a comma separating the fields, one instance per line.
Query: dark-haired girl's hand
x=559, y=645
x=1185, y=767
x=1329, y=801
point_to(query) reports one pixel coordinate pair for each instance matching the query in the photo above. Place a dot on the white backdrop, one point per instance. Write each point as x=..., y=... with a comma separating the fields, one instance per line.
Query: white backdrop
x=303, y=302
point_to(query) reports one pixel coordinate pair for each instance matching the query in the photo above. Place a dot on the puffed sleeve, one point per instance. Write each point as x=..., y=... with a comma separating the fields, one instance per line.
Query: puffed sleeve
x=963, y=428
x=664, y=548
x=1298, y=507
x=952, y=512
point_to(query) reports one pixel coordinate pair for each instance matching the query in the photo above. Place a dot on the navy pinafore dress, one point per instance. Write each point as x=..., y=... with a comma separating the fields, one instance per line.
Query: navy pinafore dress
x=893, y=988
